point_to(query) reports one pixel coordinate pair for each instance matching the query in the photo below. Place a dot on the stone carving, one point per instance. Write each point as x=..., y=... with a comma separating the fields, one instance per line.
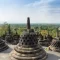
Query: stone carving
x=8, y=37
x=28, y=48
x=3, y=46
x=16, y=38
x=55, y=45
x=47, y=41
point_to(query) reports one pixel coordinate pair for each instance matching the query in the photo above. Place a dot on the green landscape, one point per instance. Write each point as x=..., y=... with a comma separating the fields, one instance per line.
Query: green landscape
x=41, y=28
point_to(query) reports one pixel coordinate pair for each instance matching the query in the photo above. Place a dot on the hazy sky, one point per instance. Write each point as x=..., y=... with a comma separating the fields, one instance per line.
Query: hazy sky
x=40, y=11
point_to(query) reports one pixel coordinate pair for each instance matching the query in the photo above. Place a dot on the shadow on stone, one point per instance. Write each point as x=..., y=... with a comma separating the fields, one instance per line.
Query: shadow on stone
x=7, y=51
x=53, y=57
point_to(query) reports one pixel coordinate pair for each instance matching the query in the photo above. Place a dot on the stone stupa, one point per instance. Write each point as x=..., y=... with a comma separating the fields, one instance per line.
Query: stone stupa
x=48, y=37
x=3, y=45
x=47, y=40
x=28, y=48
x=55, y=45
x=16, y=38
x=8, y=37
x=3, y=36
x=40, y=37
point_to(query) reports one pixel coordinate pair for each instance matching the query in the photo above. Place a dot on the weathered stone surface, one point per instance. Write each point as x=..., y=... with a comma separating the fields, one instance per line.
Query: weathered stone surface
x=28, y=23
x=51, y=55
x=3, y=46
x=12, y=38
x=28, y=47
x=49, y=38
x=16, y=39
x=9, y=38
x=47, y=41
x=55, y=45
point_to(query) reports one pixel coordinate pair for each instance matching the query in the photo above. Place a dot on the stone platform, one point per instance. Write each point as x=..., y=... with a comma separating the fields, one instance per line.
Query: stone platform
x=51, y=55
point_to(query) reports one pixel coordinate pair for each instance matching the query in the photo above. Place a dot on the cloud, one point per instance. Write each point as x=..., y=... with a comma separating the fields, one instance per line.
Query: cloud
x=44, y=11
x=40, y=11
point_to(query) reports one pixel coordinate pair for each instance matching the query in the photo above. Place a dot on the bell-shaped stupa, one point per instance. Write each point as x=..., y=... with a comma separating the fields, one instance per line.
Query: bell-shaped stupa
x=47, y=40
x=8, y=37
x=28, y=48
x=3, y=46
x=55, y=45
x=16, y=38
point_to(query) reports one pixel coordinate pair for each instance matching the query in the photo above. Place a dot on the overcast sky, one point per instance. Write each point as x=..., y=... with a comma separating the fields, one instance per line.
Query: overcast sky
x=39, y=11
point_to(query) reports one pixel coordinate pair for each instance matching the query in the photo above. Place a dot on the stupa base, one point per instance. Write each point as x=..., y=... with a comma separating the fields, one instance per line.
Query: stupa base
x=28, y=59
x=28, y=54
x=3, y=48
x=54, y=49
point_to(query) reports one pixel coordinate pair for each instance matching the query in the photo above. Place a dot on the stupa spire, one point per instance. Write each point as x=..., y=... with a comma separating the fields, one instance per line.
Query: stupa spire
x=28, y=23
x=9, y=30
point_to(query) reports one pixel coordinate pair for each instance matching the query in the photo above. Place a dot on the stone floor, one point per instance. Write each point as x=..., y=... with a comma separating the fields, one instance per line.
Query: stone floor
x=51, y=55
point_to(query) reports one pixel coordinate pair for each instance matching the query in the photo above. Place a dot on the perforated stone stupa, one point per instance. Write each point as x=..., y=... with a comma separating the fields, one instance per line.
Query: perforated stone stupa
x=3, y=46
x=16, y=38
x=55, y=45
x=8, y=36
x=47, y=41
x=28, y=48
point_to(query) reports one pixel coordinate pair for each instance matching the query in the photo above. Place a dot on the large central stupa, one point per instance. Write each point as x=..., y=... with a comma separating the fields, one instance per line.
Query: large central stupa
x=28, y=48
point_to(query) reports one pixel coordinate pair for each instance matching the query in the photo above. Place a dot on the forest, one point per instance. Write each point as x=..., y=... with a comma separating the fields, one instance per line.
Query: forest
x=44, y=29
